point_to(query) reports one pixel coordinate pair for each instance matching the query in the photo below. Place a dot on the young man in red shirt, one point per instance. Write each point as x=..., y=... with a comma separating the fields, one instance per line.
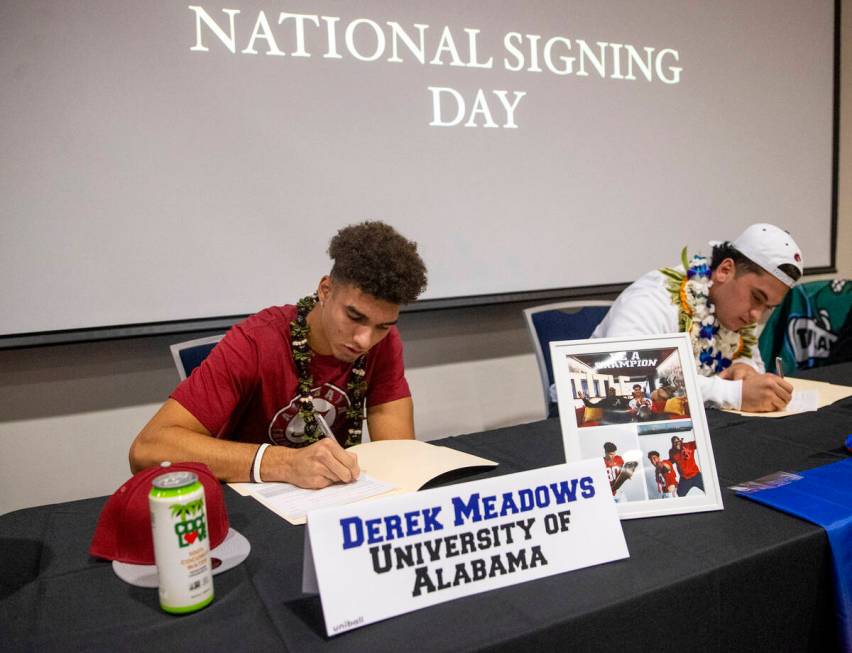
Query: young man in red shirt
x=682, y=454
x=664, y=473
x=615, y=471
x=279, y=376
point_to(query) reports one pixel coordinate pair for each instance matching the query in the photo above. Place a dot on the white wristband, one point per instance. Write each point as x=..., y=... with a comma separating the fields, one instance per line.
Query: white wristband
x=258, y=458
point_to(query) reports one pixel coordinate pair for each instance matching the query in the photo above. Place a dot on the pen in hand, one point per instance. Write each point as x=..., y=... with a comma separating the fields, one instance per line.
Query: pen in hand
x=779, y=370
x=326, y=432
x=323, y=427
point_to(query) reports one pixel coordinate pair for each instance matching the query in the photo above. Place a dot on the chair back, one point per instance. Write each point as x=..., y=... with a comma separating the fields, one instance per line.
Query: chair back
x=188, y=355
x=572, y=320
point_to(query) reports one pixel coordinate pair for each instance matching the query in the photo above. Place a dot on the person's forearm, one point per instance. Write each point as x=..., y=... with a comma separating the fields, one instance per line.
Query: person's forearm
x=719, y=392
x=315, y=466
x=396, y=435
x=392, y=421
x=229, y=461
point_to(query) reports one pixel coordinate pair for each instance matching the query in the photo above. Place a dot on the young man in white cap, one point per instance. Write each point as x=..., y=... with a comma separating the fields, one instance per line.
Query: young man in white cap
x=718, y=303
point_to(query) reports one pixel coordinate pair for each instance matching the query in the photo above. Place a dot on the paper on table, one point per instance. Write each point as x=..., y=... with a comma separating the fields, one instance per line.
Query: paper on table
x=807, y=395
x=803, y=401
x=406, y=465
x=293, y=503
x=410, y=464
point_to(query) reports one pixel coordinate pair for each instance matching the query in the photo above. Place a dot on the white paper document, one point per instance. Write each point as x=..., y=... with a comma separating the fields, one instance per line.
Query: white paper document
x=803, y=401
x=395, y=466
x=807, y=395
x=293, y=503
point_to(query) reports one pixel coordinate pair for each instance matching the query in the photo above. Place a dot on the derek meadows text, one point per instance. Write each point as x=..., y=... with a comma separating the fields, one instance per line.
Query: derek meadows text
x=508, y=544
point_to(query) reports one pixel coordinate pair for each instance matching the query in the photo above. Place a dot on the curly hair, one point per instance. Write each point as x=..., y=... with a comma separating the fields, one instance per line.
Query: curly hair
x=374, y=257
x=744, y=264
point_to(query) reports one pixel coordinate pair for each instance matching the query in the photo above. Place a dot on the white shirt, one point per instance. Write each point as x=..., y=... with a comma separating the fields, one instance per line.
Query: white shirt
x=645, y=308
x=636, y=404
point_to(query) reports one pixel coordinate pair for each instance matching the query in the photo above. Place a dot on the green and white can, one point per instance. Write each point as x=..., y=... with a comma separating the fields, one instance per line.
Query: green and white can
x=181, y=542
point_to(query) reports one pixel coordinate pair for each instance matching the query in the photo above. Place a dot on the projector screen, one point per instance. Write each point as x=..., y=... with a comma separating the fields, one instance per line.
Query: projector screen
x=166, y=161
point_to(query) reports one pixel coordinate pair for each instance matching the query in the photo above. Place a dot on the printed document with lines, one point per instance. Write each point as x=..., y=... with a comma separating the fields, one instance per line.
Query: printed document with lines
x=293, y=503
x=387, y=467
x=807, y=395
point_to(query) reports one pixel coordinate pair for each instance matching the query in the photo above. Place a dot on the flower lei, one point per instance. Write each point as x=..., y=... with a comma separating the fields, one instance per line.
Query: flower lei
x=356, y=386
x=714, y=346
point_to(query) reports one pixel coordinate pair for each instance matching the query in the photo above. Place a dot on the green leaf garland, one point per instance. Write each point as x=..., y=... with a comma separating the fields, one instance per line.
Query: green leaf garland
x=356, y=386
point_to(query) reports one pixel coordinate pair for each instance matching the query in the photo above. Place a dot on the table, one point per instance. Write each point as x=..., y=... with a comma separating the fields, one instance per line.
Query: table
x=744, y=579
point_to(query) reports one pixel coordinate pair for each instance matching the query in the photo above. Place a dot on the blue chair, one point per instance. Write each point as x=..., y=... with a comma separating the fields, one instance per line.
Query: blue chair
x=574, y=320
x=188, y=355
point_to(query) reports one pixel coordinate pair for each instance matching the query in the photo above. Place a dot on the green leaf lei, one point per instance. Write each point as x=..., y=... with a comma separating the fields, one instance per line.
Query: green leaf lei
x=356, y=386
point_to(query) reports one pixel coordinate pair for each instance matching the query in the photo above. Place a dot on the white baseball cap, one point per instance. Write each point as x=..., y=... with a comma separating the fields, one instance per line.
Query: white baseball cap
x=770, y=247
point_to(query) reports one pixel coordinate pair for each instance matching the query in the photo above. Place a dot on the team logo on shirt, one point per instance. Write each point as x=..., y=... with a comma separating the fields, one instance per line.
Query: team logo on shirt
x=811, y=338
x=288, y=428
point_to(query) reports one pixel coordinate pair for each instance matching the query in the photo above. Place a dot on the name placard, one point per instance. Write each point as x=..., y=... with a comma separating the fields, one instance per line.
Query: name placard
x=382, y=558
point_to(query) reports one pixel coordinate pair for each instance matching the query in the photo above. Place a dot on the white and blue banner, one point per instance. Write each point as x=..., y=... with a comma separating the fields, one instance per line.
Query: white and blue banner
x=382, y=558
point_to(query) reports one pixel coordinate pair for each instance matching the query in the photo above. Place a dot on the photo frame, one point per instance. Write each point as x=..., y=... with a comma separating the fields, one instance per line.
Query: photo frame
x=635, y=403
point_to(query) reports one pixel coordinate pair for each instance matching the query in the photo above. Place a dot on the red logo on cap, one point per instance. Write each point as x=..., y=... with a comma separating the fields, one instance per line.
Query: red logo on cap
x=797, y=257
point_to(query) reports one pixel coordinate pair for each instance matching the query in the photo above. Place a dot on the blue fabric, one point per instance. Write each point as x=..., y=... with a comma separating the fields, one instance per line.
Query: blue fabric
x=824, y=497
x=191, y=357
x=560, y=324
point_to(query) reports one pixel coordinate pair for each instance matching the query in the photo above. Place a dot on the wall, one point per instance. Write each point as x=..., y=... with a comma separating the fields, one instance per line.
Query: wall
x=68, y=413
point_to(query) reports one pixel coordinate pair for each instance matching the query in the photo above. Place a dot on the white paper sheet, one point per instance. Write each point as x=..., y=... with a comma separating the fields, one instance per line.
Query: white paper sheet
x=293, y=503
x=824, y=393
x=803, y=401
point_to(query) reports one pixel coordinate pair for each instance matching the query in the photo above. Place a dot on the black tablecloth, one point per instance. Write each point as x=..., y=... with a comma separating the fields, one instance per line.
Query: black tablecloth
x=747, y=578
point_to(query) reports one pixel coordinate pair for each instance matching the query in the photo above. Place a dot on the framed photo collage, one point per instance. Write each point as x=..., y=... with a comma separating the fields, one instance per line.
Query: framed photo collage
x=635, y=404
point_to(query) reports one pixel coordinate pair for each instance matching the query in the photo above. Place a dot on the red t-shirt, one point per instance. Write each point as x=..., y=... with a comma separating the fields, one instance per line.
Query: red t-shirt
x=246, y=389
x=665, y=476
x=685, y=460
x=613, y=469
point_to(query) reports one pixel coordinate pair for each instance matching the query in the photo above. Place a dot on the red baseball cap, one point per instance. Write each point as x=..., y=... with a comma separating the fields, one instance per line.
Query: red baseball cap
x=123, y=532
